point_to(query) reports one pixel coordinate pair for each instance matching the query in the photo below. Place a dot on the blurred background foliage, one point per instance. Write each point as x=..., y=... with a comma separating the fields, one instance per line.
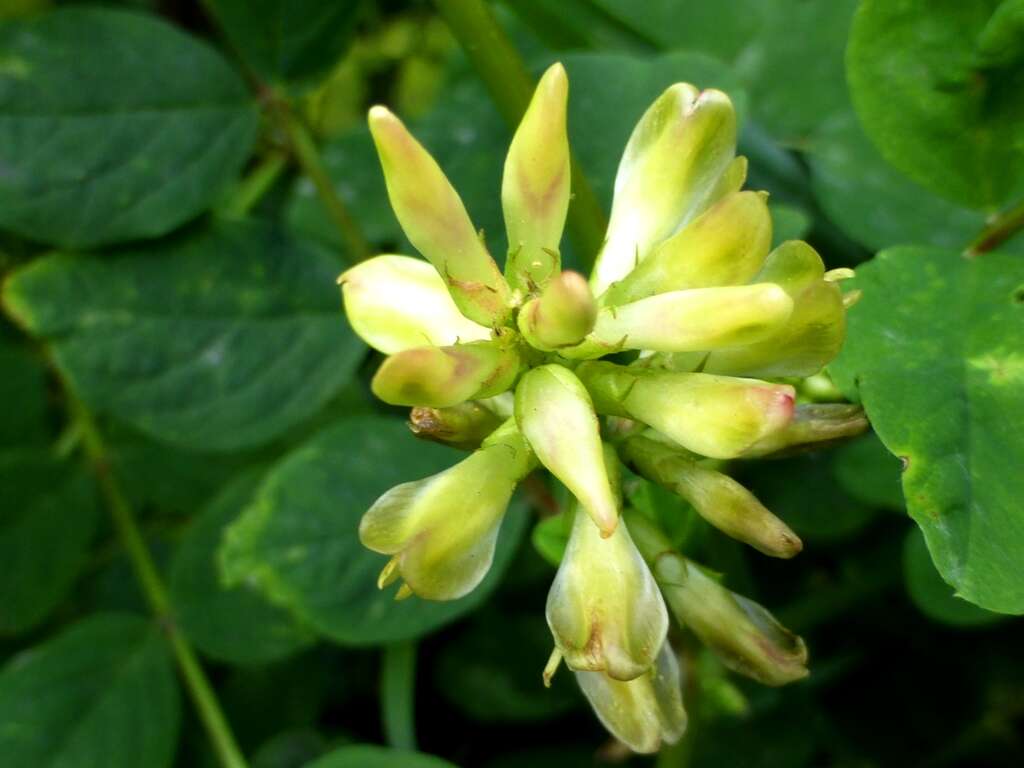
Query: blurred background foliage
x=166, y=247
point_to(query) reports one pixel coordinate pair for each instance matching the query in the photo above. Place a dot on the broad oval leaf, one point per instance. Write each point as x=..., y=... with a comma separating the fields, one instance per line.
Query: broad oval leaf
x=937, y=106
x=217, y=340
x=235, y=625
x=47, y=521
x=114, y=126
x=871, y=201
x=934, y=352
x=298, y=541
x=101, y=693
x=370, y=756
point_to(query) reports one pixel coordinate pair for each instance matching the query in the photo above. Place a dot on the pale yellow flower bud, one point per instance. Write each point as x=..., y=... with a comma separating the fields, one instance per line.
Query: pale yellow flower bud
x=397, y=302
x=535, y=187
x=436, y=223
x=561, y=316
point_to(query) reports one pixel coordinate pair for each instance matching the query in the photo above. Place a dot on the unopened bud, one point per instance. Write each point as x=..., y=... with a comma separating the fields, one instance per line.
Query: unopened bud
x=397, y=302
x=718, y=498
x=725, y=245
x=643, y=713
x=439, y=377
x=535, y=187
x=714, y=416
x=604, y=608
x=557, y=417
x=812, y=335
x=813, y=426
x=744, y=636
x=692, y=320
x=561, y=316
x=464, y=426
x=442, y=530
x=672, y=164
x=435, y=221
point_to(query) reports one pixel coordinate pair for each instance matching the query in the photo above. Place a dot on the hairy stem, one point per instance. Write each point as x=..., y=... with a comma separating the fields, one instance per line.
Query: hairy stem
x=1000, y=229
x=503, y=72
x=198, y=685
x=397, y=694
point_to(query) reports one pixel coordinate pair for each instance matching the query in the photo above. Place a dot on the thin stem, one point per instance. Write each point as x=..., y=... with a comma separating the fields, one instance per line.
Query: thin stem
x=198, y=685
x=398, y=693
x=308, y=156
x=505, y=75
x=256, y=184
x=1000, y=229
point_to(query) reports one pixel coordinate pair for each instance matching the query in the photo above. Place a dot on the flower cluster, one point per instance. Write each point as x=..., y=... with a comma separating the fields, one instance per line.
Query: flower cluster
x=706, y=324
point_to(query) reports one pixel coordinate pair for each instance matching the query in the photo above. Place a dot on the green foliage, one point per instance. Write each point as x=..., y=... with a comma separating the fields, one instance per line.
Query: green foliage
x=202, y=377
x=100, y=693
x=216, y=340
x=105, y=137
x=937, y=104
x=948, y=410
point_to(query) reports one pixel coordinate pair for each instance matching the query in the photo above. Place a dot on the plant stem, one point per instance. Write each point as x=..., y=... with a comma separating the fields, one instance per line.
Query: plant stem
x=1000, y=229
x=505, y=75
x=256, y=184
x=198, y=685
x=397, y=694
x=308, y=156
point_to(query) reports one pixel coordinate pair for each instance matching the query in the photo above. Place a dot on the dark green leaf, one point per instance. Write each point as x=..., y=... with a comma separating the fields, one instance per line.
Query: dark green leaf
x=22, y=396
x=287, y=39
x=550, y=537
x=114, y=126
x=367, y=756
x=216, y=341
x=931, y=594
x=48, y=516
x=102, y=693
x=235, y=625
x=934, y=354
x=872, y=202
x=937, y=109
x=290, y=749
x=869, y=473
x=298, y=540
x=496, y=676
x=788, y=223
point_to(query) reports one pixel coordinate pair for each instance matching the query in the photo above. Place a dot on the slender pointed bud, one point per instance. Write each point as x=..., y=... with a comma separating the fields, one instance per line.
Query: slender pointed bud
x=693, y=320
x=604, y=607
x=643, y=713
x=463, y=426
x=673, y=162
x=814, y=332
x=535, y=187
x=442, y=530
x=435, y=221
x=725, y=245
x=396, y=302
x=561, y=316
x=745, y=637
x=440, y=377
x=556, y=416
x=554, y=662
x=718, y=498
x=852, y=297
x=404, y=593
x=814, y=425
x=714, y=416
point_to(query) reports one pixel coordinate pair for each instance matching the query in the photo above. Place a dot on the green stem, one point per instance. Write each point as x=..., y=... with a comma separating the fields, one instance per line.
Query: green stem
x=198, y=685
x=308, y=156
x=397, y=694
x=505, y=75
x=1002, y=228
x=256, y=184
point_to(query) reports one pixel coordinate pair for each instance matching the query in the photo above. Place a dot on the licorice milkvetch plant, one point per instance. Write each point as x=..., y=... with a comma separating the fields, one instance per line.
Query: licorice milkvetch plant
x=680, y=351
